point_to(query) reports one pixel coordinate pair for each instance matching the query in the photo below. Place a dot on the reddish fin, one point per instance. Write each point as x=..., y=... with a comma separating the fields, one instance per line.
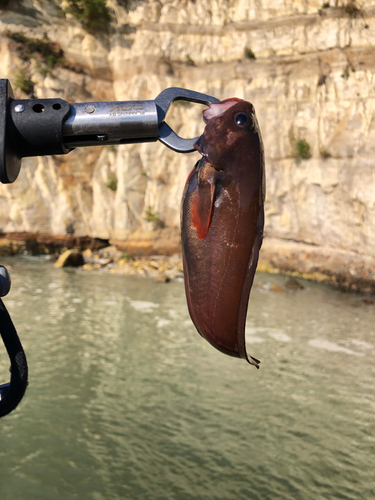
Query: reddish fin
x=201, y=208
x=203, y=200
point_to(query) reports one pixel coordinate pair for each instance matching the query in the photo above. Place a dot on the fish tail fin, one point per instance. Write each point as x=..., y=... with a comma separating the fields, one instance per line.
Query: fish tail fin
x=253, y=361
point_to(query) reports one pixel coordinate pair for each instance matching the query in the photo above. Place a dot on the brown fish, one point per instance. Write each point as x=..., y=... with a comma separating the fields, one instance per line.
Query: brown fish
x=222, y=220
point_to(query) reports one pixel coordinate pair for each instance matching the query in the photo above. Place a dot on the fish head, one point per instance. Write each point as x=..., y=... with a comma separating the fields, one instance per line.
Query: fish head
x=231, y=136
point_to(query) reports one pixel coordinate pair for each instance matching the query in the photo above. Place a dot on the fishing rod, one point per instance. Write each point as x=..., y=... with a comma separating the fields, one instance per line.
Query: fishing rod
x=41, y=127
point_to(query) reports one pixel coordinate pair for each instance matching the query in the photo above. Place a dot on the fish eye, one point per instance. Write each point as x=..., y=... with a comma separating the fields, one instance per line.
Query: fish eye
x=242, y=119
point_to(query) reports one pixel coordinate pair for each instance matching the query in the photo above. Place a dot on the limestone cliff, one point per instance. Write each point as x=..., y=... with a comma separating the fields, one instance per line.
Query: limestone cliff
x=308, y=66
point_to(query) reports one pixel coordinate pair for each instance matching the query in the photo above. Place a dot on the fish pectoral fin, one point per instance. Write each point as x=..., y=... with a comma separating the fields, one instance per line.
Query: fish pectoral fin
x=203, y=201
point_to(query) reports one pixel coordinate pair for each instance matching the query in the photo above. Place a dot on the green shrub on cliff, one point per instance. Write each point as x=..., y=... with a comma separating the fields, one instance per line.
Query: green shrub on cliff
x=93, y=14
x=42, y=46
x=47, y=54
x=150, y=215
x=24, y=83
x=189, y=61
x=112, y=182
x=324, y=154
x=249, y=54
x=302, y=150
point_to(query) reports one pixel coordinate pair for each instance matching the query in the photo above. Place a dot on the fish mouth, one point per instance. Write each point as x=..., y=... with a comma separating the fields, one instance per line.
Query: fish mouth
x=198, y=145
x=219, y=108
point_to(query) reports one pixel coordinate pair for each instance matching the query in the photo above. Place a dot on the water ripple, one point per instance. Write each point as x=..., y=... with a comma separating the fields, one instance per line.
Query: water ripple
x=127, y=401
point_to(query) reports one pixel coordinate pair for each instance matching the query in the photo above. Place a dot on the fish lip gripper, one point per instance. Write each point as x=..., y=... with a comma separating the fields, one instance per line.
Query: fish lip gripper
x=39, y=127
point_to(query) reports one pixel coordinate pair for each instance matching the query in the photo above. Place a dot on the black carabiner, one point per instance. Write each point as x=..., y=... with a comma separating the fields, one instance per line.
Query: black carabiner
x=12, y=392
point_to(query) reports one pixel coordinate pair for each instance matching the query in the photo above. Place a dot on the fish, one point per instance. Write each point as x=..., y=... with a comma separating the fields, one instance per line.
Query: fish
x=222, y=221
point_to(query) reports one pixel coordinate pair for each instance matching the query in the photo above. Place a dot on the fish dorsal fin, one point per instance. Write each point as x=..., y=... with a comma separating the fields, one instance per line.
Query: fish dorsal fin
x=203, y=200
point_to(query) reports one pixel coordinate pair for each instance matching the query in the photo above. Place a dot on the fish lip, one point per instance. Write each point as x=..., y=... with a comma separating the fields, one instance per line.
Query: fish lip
x=198, y=147
x=217, y=109
x=218, y=168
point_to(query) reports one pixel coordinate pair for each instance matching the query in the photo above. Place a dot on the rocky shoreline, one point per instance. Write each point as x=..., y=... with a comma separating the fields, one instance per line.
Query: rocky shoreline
x=133, y=258
x=161, y=269
x=347, y=270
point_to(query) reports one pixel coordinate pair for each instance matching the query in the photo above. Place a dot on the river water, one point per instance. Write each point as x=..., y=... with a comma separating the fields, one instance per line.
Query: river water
x=127, y=401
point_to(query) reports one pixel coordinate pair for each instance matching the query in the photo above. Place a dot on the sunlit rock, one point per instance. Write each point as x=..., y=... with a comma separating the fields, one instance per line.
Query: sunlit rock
x=70, y=258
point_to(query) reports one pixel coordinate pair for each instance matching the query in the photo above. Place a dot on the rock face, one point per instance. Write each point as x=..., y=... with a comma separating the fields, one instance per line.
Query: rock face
x=308, y=68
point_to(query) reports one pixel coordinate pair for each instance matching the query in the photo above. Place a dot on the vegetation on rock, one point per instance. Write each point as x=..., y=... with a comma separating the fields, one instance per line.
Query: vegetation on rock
x=189, y=61
x=150, y=215
x=47, y=54
x=93, y=14
x=112, y=182
x=345, y=73
x=249, y=54
x=302, y=150
x=125, y=256
x=325, y=154
x=24, y=82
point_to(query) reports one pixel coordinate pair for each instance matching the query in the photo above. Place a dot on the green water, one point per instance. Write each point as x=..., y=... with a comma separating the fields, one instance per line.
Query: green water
x=126, y=401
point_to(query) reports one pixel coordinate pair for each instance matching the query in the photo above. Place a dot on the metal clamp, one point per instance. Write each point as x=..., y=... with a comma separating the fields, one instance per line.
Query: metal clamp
x=125, y=122
x=38, y=127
